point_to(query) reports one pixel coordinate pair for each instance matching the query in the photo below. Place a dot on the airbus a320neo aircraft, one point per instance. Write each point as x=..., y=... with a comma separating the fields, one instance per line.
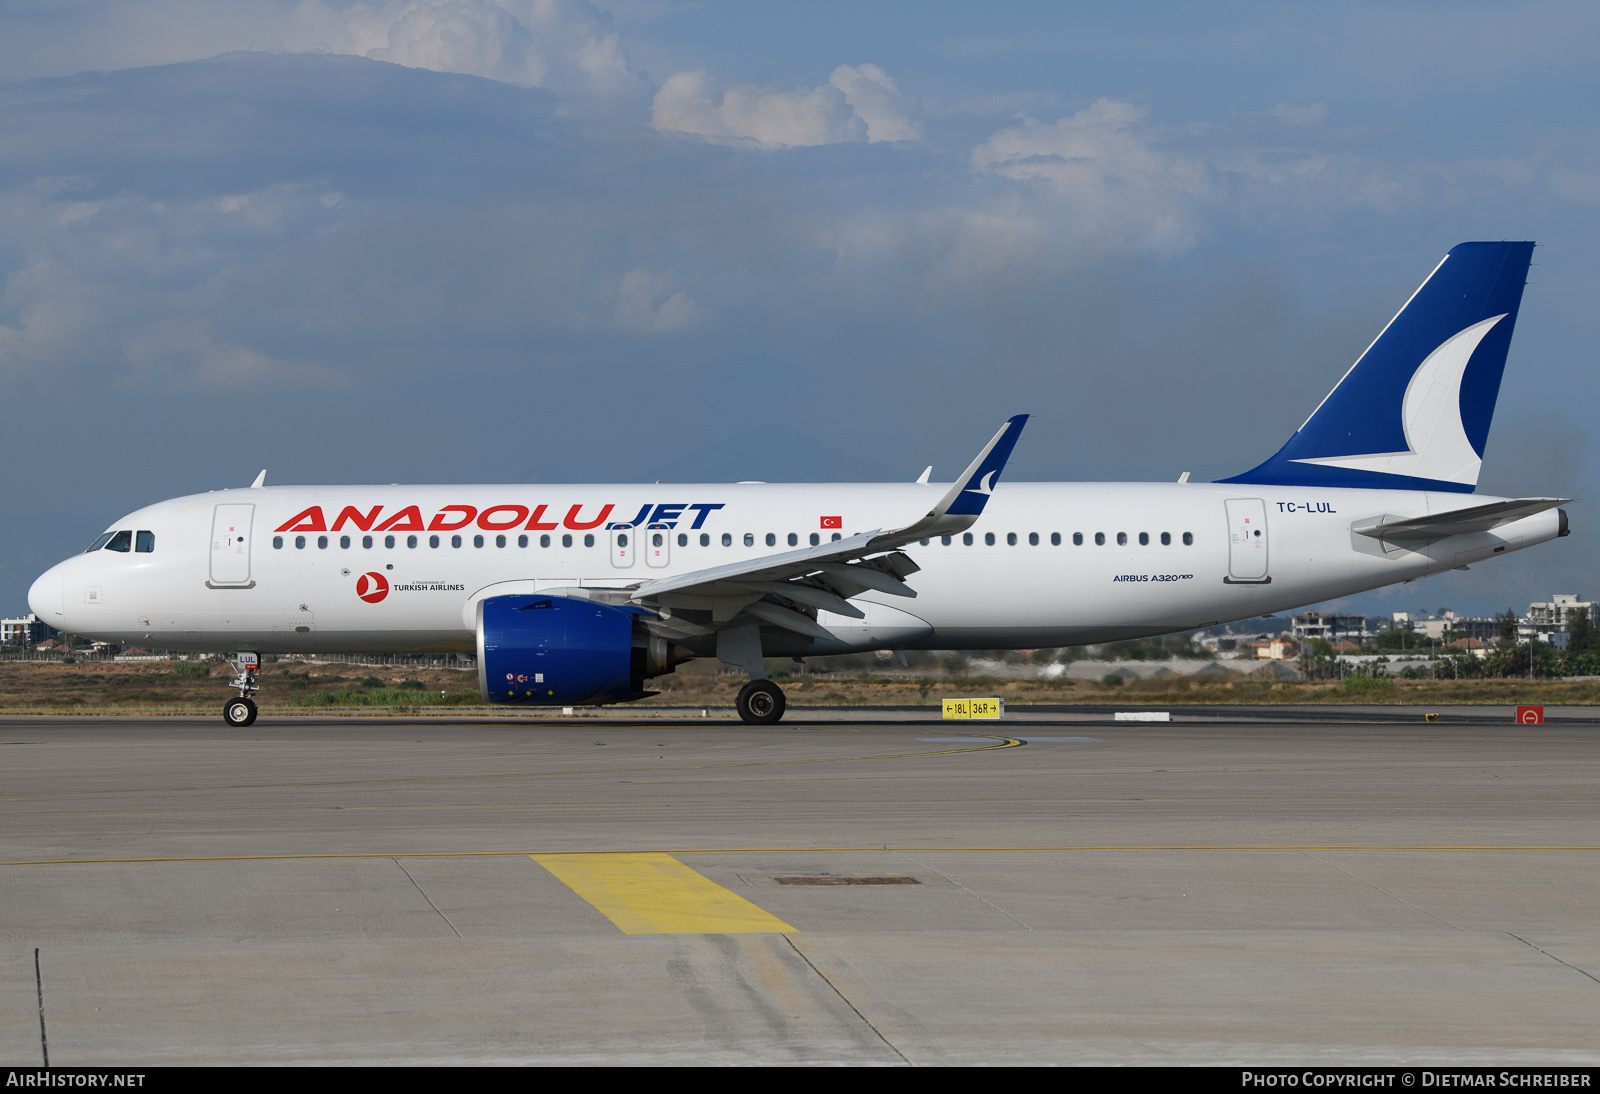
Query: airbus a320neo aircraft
x=580, y=594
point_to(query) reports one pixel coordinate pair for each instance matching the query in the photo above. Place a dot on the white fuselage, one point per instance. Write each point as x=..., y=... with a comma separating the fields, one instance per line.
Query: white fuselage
x=228, y=570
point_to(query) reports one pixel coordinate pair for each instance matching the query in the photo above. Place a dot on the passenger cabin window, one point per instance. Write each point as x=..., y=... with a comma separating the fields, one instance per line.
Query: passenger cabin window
x=1077, y=539
x=966, y=539
x=566, y=540
x=277, y=543
x=299, y=543
x=411, y=541
x=322, y=543
x=344, y=543
x=388, y=542
x=815, y=539
x=1099, y=539
x=1055, y=539
x=749, y=539
x=988, y=539
x=727, y=539
x=1011, y=539
x=1122, y=539
x=144, y=542
x=522, y=541
x=683, y=540
x=499, y=541
x=1188, y=539
x=705, y=539
x=1166, y=539
x=122, y=541
x=945, y=540
x=366, y=543
x=588, y=541
x=1033, y=539
x=794, y=540
x=1144, y=539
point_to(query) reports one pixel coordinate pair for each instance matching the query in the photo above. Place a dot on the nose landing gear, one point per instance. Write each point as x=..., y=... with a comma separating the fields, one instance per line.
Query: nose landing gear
x=241, y=711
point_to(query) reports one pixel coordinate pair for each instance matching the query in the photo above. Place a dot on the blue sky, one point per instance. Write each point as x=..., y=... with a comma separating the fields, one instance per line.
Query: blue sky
x=496, y=240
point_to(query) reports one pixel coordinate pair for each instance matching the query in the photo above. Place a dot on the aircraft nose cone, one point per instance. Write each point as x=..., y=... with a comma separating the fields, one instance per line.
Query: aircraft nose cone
x=44, y=597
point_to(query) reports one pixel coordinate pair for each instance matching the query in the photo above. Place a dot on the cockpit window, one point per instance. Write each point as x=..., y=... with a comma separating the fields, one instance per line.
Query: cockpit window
x=144, y=542
x=122, y=541
x=101, y=542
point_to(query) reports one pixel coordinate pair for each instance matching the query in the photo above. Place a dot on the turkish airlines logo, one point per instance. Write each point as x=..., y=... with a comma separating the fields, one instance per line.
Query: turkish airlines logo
x=372, y=587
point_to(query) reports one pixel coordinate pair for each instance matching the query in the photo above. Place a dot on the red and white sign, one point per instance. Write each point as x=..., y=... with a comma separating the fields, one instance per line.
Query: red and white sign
x=372, y=587
x=833, y=522
x=1530, y=716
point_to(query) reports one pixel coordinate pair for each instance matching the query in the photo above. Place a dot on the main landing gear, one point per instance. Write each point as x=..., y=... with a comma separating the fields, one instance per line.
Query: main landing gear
x=241, y=711
x=760, y=703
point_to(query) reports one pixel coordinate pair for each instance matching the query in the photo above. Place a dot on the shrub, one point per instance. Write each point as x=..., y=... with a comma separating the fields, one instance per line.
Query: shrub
x=191, y=670
x=1111, y=680
x=1367, y=683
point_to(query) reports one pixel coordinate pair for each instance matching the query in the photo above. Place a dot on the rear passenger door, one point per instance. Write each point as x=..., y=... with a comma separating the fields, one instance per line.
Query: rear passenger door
x=1247, y=541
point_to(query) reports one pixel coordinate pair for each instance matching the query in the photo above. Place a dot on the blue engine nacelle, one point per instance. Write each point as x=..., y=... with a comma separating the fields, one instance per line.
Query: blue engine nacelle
x=559, y=651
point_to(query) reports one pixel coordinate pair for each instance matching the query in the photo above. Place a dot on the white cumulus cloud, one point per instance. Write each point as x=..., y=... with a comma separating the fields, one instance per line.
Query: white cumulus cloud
x=652, y=304
x=1110, y=172
x=689, y=103
x=875, y=98
x=859, y=102
x=566, y=45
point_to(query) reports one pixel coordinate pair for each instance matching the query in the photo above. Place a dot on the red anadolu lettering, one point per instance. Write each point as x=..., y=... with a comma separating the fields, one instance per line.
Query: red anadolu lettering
x=577, y=525
x=309, y=520
x=440, y=524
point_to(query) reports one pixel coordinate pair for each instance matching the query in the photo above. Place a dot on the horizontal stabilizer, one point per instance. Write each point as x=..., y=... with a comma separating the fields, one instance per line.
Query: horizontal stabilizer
x=1459, y=522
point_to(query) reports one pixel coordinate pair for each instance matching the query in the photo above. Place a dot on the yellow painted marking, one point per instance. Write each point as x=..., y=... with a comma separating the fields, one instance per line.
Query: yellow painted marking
x=654, y=893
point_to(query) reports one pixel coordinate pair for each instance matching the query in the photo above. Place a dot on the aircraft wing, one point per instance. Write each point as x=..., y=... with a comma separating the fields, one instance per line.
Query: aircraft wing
x=1458, y=522
x=789, y=588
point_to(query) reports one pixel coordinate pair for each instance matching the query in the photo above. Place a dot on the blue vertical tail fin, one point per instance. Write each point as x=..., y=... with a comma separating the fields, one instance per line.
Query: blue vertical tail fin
x=1413, y=412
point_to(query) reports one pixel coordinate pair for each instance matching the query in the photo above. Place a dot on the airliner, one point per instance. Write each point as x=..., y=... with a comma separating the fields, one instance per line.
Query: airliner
x=576, y=595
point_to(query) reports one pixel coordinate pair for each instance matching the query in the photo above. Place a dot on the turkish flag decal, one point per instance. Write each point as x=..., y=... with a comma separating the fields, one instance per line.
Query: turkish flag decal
x=833, y=522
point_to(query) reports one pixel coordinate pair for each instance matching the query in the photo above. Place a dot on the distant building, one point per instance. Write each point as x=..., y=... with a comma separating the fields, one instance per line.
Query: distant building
x=1554, y=615
x=1280, y=648
x=28, y=630
x=1328, y=627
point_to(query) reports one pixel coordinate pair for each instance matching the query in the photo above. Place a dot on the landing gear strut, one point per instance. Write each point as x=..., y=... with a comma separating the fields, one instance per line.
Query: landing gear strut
x=760, y=703
x=241, y=711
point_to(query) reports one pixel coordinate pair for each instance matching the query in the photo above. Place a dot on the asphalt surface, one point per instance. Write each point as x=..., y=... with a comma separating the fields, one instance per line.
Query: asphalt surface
x=1212, y=890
